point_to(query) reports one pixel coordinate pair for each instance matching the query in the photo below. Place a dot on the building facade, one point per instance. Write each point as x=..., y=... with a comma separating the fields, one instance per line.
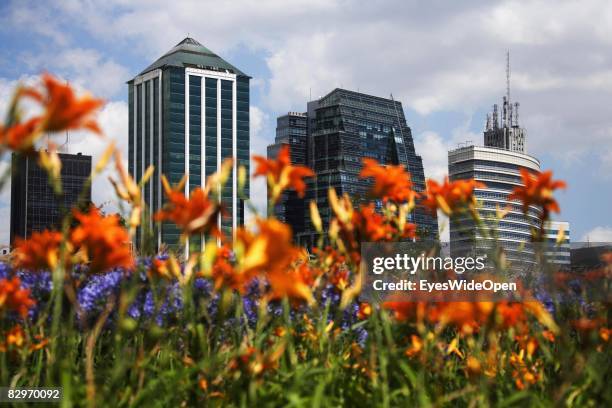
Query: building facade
x=343, y=128
x=498, y=165
x=188, y=112
x=291, y=130
x=499, y=169
x=34, y=205
x=558, y=240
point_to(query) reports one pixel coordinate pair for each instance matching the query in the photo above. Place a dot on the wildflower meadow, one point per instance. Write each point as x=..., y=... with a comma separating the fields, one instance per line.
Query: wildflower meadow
x=255, y=320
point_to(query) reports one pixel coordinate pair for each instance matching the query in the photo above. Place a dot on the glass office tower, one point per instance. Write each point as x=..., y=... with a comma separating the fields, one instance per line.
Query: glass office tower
x=34, y=205
x=343, y=128
x=291, y=130
x=498, y=165
x=499, y=169
x=188, y=111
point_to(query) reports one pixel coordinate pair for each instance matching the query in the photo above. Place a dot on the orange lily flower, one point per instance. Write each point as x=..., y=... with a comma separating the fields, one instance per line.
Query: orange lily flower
x=451, y=197
x=14, y=297
x=281, y=174
x=402, y=310
x=269, y=249
x=166, y=269
x=473, y=366
x=334, y=265
x=372, y=225
x=365, y=311
x=604, y=334
x=465, y=316
x=195, y=215
x=21, y=136
x=416, y=346
x=63, y=109
x=355, y=226
x=39, y=252
x=511, y=314
x=102, y=241
x=255, y=362
x=549, y=335
x=223, y=272
x=290, y=284
x=14, y=337
x=390, y=182
x=538, y=190
x=271, y=254
x=42, y=343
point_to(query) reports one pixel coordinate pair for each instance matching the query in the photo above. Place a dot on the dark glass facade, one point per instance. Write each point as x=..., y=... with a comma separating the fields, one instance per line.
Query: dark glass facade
x=242, y=137
x=34, y=206
x=190, y=111
x=292, y=130
x=342, y=129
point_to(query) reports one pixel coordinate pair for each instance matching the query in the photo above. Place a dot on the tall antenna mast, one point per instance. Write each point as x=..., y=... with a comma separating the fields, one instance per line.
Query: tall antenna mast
x=508, y=75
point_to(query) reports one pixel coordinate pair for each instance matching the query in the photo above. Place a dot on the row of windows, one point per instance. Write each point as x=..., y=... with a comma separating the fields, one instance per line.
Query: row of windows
x=173, y=87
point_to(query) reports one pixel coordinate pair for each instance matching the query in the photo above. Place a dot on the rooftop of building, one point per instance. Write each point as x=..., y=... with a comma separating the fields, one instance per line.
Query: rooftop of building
x=495, y=150
x=299, y=114
x=556, y=224
x=62, y=155
x=348, y=92
x=191, y=53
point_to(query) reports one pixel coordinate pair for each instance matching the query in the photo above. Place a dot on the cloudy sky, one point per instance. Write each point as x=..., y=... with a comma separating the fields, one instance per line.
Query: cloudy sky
x=444, y=61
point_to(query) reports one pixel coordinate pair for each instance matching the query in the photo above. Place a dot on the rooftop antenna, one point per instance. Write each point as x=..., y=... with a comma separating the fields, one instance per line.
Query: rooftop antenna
x=508, y=75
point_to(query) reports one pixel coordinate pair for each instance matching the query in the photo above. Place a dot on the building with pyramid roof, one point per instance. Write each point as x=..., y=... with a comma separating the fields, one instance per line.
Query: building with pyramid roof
x=188, y=112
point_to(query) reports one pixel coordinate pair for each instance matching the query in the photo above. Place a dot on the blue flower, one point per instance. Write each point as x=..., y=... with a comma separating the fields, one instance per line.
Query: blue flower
x=94, y=295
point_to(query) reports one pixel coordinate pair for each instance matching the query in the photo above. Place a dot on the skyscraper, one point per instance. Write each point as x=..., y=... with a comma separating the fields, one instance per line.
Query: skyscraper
x=342, y=128
x=499, y=169
x=188, y=111
x=34, y=205
x=498, y=165
x=291, y=130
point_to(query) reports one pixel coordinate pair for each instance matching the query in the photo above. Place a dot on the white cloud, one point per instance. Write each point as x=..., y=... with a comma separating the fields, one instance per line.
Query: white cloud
x=434, y=151
x=432, y=59
x=433, y=148
x=294, y=79
x=36, y=18
x=84, y=68
x=598, y=234
x=7, y=91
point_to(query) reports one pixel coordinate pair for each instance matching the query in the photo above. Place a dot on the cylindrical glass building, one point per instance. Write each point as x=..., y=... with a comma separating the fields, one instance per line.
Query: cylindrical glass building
x=499, y=169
